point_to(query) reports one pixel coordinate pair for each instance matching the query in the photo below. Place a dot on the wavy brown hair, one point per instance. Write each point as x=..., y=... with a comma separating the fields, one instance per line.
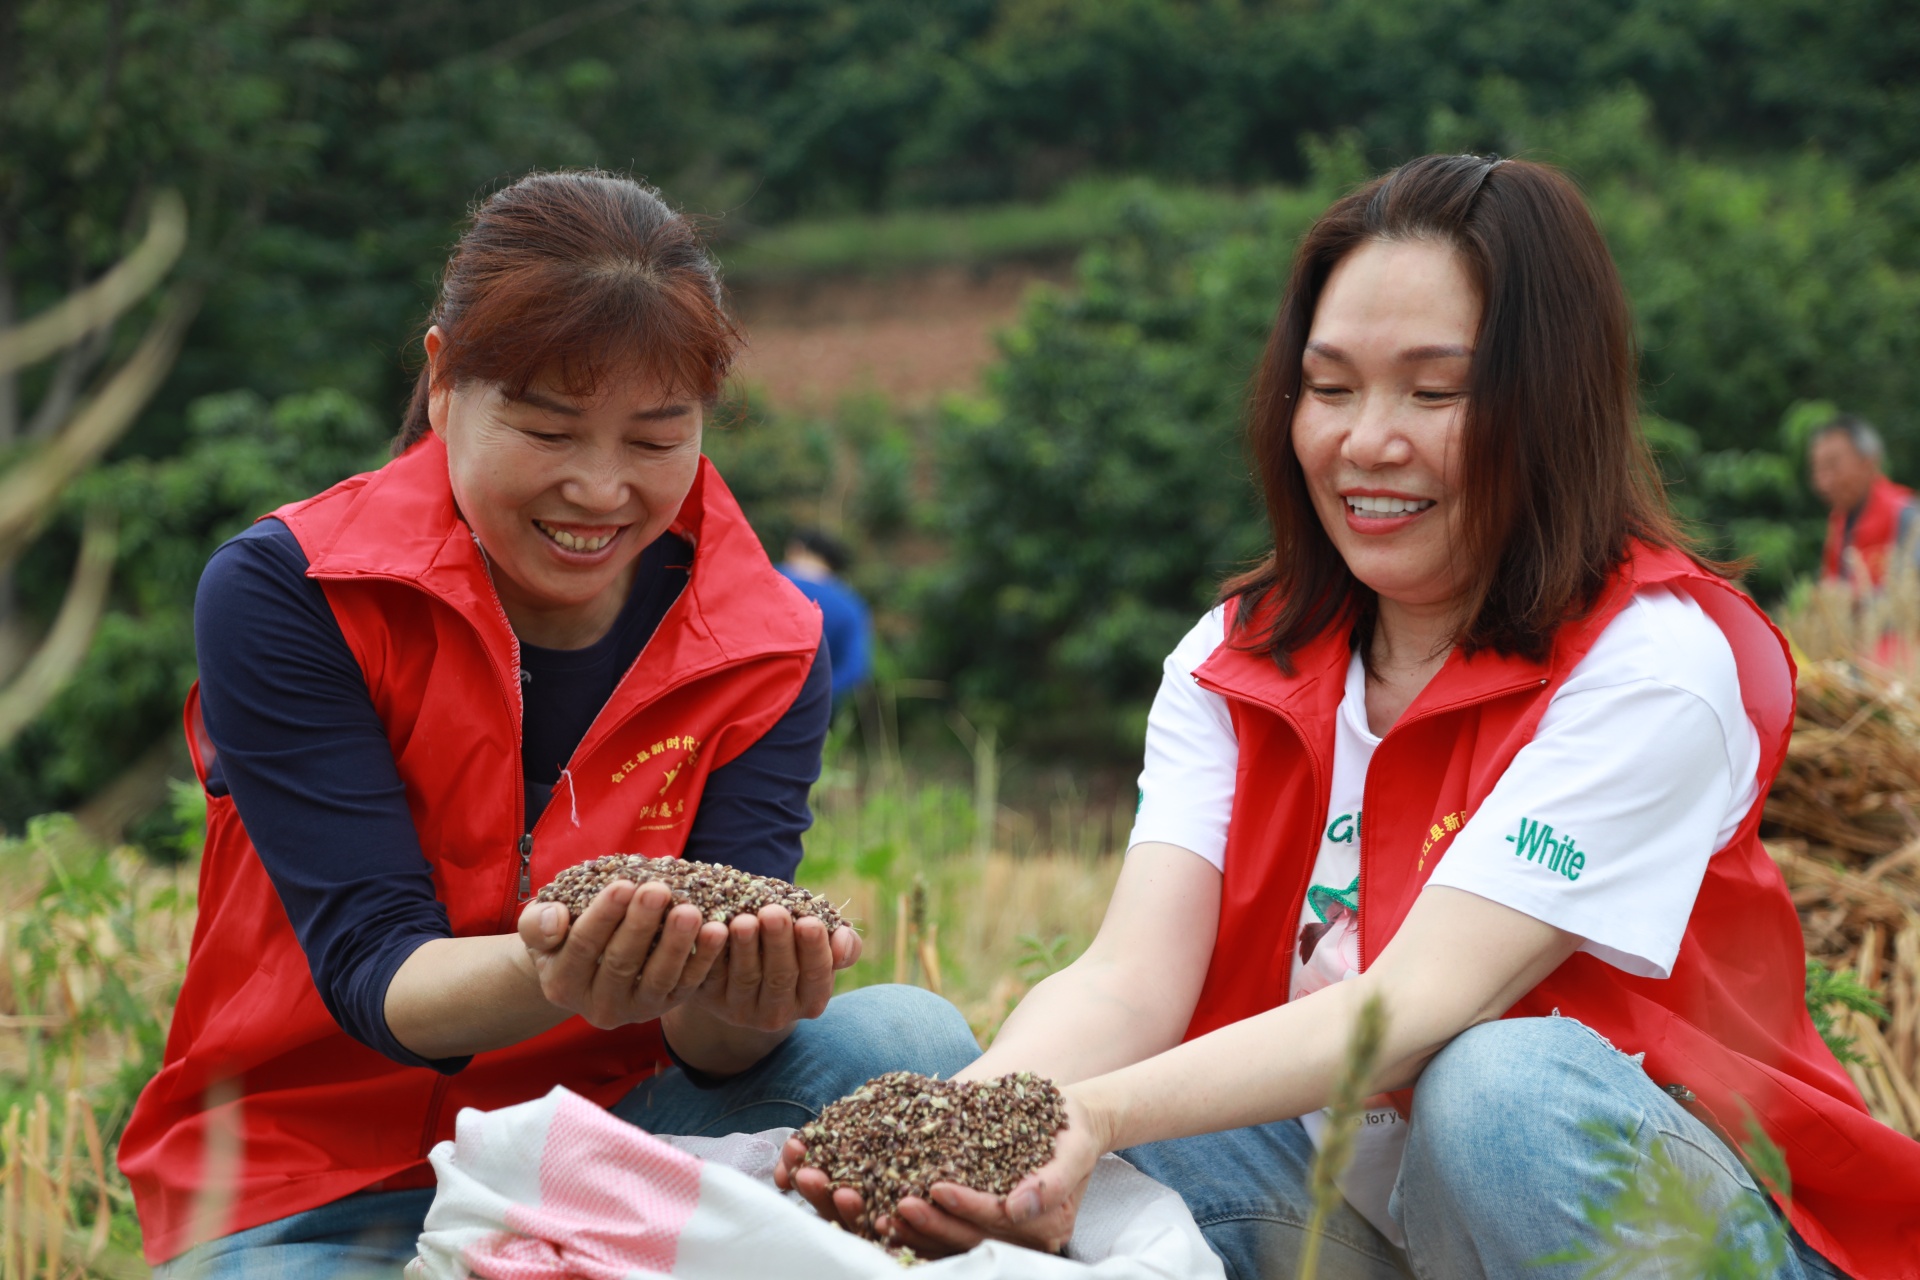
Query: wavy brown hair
x=1557, y=477
x=567, y=275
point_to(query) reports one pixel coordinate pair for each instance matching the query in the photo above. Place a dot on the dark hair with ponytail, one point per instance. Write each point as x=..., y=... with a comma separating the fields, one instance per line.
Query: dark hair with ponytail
x=568, y=275
x=1557, y=477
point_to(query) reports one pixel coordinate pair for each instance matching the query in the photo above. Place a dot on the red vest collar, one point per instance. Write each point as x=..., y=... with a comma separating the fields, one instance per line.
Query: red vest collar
x=403, y=525
x=1318, y=682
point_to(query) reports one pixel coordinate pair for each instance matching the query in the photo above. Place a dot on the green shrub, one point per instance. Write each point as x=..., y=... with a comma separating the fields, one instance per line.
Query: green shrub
x=1830, y=991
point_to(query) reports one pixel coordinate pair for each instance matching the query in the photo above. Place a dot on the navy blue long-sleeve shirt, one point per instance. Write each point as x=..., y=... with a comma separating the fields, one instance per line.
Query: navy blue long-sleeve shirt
x=305, y=757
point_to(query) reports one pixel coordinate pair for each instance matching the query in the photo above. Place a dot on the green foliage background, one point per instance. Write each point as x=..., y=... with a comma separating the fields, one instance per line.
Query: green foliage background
x=1040, y=547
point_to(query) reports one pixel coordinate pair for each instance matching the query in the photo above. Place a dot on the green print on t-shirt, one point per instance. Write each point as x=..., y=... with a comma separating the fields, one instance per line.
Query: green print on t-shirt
x=1345, y=828
x=1536, y=843
x=1323, y=898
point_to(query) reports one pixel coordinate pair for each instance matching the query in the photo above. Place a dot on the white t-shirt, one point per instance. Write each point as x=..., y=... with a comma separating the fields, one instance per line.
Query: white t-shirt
x=1642, y=768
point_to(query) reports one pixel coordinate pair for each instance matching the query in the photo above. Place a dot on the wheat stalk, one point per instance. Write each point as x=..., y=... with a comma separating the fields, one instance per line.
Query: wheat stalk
x=1343, y=1109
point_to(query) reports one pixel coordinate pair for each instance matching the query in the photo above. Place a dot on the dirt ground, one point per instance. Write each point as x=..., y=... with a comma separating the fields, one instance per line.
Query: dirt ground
x=909, y=337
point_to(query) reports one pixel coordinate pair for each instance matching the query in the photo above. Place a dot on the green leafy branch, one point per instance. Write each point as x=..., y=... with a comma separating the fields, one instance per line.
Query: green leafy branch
x=1831, y=992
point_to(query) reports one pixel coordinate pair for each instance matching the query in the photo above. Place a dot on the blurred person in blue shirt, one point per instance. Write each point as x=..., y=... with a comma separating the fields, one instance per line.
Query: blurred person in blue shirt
x=814, y=562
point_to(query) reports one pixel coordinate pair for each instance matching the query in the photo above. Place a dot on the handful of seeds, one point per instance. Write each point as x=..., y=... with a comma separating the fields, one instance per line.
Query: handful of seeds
x=900, y=1133
x=720, y=892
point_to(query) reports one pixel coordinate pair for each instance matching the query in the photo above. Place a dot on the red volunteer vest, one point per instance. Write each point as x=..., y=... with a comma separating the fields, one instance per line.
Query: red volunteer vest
x=1874, y=533
x=1729, y=1024
x=253, y=1053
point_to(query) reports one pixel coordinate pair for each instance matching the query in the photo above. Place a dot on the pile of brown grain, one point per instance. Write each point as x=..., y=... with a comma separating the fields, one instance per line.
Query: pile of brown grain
x=720, y=892
x=900, y=1133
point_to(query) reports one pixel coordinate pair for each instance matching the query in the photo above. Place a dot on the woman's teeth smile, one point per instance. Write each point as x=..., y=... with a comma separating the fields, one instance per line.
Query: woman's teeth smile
x=574, y=542
x=1369, y=506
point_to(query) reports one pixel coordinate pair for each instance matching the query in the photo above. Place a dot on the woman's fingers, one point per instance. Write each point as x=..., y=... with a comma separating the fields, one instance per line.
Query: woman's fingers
x=619, y=981
x=743, y=968
x=779, y=963
x=543, y=927
x=567, y=974
x=931, y=1231
x=626, y=948
x=928, y=1229
x=846, y=947
x=815, y=955
x=710, y=943
x=665, y=968
x=847, y=1205
x=840, y=1206
x=791, y=1155
x=1047, y=1227
x=814, y=1188
x=776, y=970
x=975, y=1207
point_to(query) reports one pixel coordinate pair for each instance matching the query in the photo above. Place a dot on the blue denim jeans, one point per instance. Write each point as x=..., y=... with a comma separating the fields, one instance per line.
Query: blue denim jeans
x=1501, y=1156
x=862, y=1034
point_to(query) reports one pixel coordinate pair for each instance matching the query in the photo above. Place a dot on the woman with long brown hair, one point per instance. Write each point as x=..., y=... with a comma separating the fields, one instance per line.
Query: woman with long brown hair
x=542, y=634
x=1484, y=740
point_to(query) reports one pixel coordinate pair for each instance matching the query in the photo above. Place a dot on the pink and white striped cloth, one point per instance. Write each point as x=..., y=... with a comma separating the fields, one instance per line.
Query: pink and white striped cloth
x=558, y=1189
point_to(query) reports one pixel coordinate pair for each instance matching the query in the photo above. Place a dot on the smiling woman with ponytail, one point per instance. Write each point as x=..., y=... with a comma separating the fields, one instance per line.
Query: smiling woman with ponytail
x=542, y=634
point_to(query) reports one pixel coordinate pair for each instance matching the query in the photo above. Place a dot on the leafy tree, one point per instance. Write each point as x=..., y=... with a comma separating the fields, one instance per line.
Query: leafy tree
x=1095, y=502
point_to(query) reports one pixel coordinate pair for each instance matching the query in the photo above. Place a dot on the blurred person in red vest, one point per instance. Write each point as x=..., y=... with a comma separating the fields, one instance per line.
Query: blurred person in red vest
x=1870, y=517
x=1484, y=740
x=542, y=634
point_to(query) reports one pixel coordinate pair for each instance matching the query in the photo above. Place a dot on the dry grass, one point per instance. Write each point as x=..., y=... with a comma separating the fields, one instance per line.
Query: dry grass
x=57, y=1199
x=980, y=931
x=94, y=945
x=952, y=890
x=90, y=942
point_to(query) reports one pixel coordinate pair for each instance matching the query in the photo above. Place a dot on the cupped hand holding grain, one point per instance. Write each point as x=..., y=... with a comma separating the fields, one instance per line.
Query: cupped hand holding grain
x=1037, y=1213
x=631, y=956
x=776, y=970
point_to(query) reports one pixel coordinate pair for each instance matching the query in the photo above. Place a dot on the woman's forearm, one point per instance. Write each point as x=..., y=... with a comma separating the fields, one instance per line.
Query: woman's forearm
x=1133, y=992
x=1457, y=961
x=1083, y=1021
x=458, y=996
x=1280, y=1064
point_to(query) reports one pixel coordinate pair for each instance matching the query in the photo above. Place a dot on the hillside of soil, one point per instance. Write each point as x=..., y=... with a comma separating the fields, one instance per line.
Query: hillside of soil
x=910, y=336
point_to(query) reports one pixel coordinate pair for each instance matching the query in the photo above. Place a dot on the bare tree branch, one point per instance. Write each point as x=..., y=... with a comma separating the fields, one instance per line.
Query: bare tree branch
x=556, y=28
x=29, y=489
x=102, y=302
x=9, y=383
x=65, y=647
x=56, y=402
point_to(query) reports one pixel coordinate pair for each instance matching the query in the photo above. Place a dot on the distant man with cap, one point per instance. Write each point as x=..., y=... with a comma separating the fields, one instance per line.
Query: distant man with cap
x=814, y=562
x=1870, y=516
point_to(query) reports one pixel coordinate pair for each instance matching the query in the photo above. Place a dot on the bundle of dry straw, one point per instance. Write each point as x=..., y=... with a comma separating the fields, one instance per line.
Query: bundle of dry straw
x=1843, y=822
